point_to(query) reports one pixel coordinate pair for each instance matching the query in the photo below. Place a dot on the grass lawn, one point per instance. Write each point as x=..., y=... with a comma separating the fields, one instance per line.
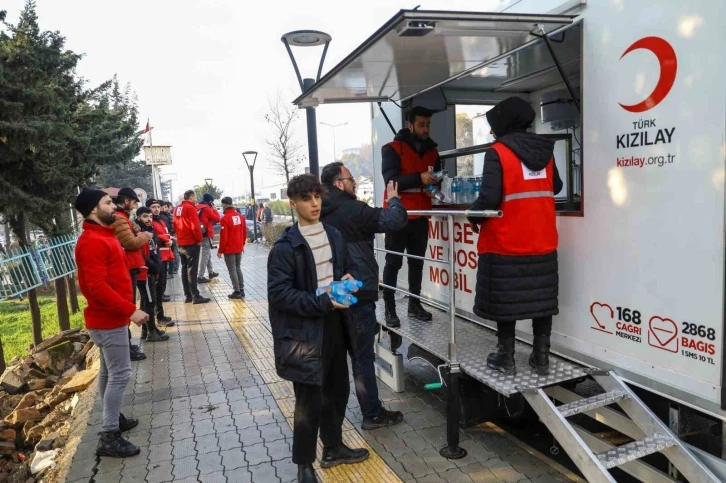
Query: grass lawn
x=15, y=323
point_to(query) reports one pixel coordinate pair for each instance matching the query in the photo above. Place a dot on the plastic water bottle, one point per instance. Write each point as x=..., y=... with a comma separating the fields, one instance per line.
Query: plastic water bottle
x=438, y=195
x=475, y=186
x=340, y=288
x=456, y=190
x=464, y=191
x=347, y=299
x=351, y=285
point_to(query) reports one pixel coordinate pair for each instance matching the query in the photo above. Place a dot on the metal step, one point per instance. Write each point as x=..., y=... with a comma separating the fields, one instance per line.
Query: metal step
x=636, y=450
x=590, y=403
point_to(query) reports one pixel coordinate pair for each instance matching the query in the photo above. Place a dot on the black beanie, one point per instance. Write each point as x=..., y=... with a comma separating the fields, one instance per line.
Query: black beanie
x=512, y=114
x=87, y=200
x=208, y=197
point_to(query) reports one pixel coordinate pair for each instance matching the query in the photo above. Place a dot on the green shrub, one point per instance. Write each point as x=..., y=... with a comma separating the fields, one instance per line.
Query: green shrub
x=280, y=207
x=273, y=231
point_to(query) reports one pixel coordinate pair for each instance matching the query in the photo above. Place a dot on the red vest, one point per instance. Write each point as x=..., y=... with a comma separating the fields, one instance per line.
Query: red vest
x=528, y=226
x=411, y=162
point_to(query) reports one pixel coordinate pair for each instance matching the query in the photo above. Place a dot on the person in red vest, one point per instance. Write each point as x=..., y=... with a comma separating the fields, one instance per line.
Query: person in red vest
x=189, y=238
x=105, y=282
x=409, y=161
x=232, y=236
x=167, y=256
x=517, y=277
x=131, y=240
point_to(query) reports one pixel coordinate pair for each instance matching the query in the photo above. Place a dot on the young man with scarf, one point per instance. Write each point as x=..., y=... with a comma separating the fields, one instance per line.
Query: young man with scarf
x=310, y=331
x=148, y=276
x=167, y=256
x=131, y=241
x=517, y=278
x=105, y=282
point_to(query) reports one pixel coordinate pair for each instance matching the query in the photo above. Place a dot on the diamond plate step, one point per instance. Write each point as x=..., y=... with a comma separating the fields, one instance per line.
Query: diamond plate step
x=590, y=403
x=635, y=450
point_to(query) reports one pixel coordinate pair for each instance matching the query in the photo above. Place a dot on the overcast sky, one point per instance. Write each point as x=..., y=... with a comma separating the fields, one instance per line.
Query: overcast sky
x=204, y=70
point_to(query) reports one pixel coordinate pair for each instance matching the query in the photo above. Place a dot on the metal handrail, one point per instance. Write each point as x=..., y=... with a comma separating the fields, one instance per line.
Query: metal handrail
x=449, y=214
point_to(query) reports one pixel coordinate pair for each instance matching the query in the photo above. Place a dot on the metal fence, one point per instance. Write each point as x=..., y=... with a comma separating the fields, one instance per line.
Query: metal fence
x=26, y=268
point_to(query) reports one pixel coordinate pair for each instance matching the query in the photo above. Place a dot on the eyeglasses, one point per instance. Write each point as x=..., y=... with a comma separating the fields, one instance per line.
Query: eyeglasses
x=343, y=179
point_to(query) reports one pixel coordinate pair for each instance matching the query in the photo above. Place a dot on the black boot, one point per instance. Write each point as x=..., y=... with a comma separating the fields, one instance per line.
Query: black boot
x=144, y=332
x=124, y=423
x=392, y=319
x=113, y=445
x=342, y=455
x=539, y=359
x=306, y=474
x=416, y=310
x=503, y=359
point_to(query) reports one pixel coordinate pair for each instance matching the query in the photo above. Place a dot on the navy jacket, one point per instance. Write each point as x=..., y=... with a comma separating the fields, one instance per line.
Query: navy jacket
x=296, y=313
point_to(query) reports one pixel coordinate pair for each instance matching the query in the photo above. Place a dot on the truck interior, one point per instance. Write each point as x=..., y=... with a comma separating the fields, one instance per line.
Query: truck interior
x=444, y=59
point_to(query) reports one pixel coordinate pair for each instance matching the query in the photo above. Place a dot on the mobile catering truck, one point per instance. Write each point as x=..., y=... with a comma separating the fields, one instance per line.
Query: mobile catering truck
x=633, y=94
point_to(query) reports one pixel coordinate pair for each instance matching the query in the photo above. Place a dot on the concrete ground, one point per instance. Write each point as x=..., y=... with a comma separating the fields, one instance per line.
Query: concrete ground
x=212, y=409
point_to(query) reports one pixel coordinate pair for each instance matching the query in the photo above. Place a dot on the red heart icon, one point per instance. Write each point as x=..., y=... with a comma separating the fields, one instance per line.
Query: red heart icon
x=664, y=330
x=601, y=326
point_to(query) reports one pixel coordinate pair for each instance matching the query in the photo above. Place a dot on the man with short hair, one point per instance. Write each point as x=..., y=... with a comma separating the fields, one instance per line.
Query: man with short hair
x=232, y=236
x=359, y=223
x=131, y=240
x=106, y=284
x=166, y=255
x=309, y=330
x=409, y=161
x=189, y=237
x=166, y=214
x=208, y=216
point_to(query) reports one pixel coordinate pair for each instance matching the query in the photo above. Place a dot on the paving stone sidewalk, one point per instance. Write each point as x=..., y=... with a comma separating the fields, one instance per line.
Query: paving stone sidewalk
x=211, y=409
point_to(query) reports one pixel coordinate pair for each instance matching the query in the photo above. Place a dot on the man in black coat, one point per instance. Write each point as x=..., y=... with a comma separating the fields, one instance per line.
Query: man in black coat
x=517, y=277
x=310, y=331
x=359, y=223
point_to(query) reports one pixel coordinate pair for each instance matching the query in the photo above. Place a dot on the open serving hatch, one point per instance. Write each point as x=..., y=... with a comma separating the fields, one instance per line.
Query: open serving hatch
x=417, y=51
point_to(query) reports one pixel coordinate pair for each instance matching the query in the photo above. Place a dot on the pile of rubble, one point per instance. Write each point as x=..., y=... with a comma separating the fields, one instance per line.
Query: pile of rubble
x=37, y=396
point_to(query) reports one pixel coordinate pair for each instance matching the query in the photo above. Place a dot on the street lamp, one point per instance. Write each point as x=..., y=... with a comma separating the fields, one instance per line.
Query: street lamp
x=208, y=182
x=251, y=167
x=334, y=126
x=308, y=38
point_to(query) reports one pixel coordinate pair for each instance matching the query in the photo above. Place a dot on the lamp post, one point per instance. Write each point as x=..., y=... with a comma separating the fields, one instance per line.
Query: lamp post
x=251, y=167
x=208, y=182
x=334, y=126
x=308, y=38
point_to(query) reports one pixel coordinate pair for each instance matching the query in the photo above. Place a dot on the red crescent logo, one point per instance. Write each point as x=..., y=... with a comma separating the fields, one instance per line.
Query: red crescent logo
x=668, y=68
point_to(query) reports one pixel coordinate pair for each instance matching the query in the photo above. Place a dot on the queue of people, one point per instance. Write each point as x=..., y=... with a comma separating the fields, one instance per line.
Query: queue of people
x=313, y=331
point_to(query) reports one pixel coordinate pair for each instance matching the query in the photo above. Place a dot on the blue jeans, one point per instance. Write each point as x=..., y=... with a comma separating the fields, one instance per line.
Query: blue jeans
x=362, y=354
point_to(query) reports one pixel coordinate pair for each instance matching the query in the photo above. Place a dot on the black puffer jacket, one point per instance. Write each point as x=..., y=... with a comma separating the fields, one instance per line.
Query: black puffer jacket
x=515, y=287
x=358, y=223
x=296, y=313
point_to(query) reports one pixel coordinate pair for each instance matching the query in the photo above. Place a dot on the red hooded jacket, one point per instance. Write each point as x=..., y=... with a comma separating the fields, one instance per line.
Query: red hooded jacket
x=233, y=232
x=186, y=224
x=163, y=233
x=208, y=217
x=103, y=275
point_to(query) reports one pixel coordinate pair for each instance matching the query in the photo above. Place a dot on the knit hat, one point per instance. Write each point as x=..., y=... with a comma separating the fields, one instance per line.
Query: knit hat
x=208, y=197
x=141, y=211
x=87, y=200
x=128, y=193
x=511, y=114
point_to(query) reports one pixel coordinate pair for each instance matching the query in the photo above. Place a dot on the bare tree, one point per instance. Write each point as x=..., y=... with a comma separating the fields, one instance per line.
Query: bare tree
x=283, y=145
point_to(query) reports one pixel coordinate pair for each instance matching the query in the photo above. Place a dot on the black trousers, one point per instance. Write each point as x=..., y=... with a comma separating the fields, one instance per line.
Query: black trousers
x=160, y=289
x=189, y=255
x=147, y=295
x=134, y=275
x=323, y=407
x=540, y=326
x=413, y=240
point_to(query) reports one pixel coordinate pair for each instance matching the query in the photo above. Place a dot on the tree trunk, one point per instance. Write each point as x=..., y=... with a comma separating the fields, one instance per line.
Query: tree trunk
x=73, y=294
x=61, y=302
x=37, y=327
x=20, y=229
x=2, y=357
